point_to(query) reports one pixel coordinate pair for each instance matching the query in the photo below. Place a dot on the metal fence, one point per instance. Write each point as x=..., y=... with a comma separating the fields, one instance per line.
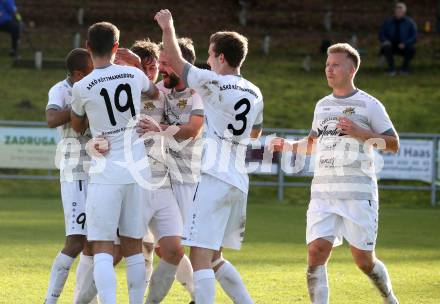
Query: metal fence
x=281, y=182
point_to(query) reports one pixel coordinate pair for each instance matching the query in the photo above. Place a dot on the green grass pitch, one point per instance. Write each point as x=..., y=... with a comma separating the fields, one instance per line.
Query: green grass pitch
x=272, y=261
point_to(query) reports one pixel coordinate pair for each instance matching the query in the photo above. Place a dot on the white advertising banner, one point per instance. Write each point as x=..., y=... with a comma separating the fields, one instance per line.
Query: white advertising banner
x=28, y=148
x=412, y=162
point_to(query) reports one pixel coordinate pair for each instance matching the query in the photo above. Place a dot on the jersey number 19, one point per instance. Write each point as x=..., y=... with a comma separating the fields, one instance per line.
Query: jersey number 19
x=128, y=106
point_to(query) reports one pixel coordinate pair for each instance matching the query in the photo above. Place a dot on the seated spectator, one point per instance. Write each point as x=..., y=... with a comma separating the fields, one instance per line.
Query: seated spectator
x=398, y=36
x=10, y=23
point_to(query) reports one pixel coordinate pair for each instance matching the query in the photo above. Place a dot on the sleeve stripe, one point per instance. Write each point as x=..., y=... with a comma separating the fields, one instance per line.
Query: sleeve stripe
x=257, y=126
x=53, y=106
x=198, y=112
x=186, y=68
x=76, y=114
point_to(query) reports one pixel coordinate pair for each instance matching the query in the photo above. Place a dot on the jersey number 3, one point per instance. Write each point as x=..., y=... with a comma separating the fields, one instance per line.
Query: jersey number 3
x=128, y=106
x=240, y=116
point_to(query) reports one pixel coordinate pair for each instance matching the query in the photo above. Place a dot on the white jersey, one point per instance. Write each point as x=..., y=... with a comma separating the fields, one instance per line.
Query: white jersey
x=343, y=168
x=155, y=144
x=60, y=97
x=110, y=96
x=183, y=160
x=233, y=107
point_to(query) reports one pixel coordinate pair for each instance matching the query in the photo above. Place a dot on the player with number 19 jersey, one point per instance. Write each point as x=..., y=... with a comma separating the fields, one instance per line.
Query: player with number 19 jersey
x=110, y=97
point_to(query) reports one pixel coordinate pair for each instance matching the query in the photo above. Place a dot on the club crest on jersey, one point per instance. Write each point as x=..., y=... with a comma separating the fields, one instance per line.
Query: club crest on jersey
x=182, y=103
x=149, y=106
x=349, y=111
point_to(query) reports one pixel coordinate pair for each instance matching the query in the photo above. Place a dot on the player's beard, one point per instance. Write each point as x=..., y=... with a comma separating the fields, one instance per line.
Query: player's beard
x=170, y=81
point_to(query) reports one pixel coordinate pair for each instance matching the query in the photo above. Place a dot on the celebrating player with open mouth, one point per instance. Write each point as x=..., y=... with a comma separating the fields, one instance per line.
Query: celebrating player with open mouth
x=233, y=111
x=344, y=195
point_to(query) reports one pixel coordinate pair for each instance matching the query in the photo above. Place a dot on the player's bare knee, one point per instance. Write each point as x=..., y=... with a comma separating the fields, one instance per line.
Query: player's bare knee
x=74, y=245
x=364, y=264
x=318, y=253
x=130, y=246
x=173, y=254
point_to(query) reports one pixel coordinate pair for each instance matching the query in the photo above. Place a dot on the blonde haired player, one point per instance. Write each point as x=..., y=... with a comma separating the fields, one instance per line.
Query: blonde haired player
x=344, y=194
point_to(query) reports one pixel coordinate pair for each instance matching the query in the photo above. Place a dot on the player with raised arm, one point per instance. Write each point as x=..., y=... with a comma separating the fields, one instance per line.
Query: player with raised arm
x=344, y=195
x=233, y=110
x=73, y=175
x=183, y=109
x=110, y=96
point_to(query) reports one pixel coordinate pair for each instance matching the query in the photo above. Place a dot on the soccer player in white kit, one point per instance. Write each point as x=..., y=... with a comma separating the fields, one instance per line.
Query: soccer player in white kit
x=183, y=108
x=110, y=96
x=344, y=193
x=73, y=175
x=233, y=114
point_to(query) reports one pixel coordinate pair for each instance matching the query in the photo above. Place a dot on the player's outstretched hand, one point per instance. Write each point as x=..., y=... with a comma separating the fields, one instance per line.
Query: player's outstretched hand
x=127, y=57
x=164, y=19
x=98, y=147
x=278, y=144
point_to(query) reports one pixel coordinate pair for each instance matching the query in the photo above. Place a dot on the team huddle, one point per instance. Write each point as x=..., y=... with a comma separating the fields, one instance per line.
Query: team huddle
x=151, y=167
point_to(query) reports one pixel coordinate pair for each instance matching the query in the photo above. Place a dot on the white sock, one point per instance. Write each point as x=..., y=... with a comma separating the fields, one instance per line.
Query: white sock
x=136, y=282
x=148, y=256
x=381, y=279
x=85, y=289
x=58, y=276
x=204, y=286
x=317, y=284
x=161, y=281
x=105, y=278
x=184, y=275
x=232, y=284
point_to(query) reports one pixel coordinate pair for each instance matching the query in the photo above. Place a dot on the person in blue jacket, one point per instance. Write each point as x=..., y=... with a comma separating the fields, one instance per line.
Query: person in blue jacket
x=10, y=23
x=398, y=35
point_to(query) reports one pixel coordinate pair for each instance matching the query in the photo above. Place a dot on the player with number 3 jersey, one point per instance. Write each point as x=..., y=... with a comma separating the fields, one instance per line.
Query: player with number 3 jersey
x=233, y=115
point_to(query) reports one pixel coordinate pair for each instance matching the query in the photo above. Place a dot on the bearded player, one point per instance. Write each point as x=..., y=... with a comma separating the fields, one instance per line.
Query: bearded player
x=233, y=113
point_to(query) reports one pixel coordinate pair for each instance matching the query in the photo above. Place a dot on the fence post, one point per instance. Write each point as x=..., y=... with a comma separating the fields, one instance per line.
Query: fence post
x=434, y=172
x=280, y=176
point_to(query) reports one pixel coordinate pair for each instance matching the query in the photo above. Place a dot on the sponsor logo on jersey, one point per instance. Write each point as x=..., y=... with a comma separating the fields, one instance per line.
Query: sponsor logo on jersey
x=149, y=106
x=349, y=111
x=182, y=103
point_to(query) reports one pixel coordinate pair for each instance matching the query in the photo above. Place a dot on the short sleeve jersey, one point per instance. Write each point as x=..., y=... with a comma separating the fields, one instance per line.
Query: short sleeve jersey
x=233, y=106
x=75, y=159
x=184, y=158
x=110, y=97
x=155, y=144
x=344, y=167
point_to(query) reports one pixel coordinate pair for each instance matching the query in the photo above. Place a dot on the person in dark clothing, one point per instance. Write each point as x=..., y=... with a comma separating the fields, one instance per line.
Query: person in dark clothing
x=10, y=23
x=398, y=35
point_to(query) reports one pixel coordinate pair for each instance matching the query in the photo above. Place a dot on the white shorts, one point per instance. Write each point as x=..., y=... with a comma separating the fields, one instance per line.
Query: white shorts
x=73, y=196
x=184, y=194
x=217, y=216
x=335, y=219
x=110, y=207
x=162, y=215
